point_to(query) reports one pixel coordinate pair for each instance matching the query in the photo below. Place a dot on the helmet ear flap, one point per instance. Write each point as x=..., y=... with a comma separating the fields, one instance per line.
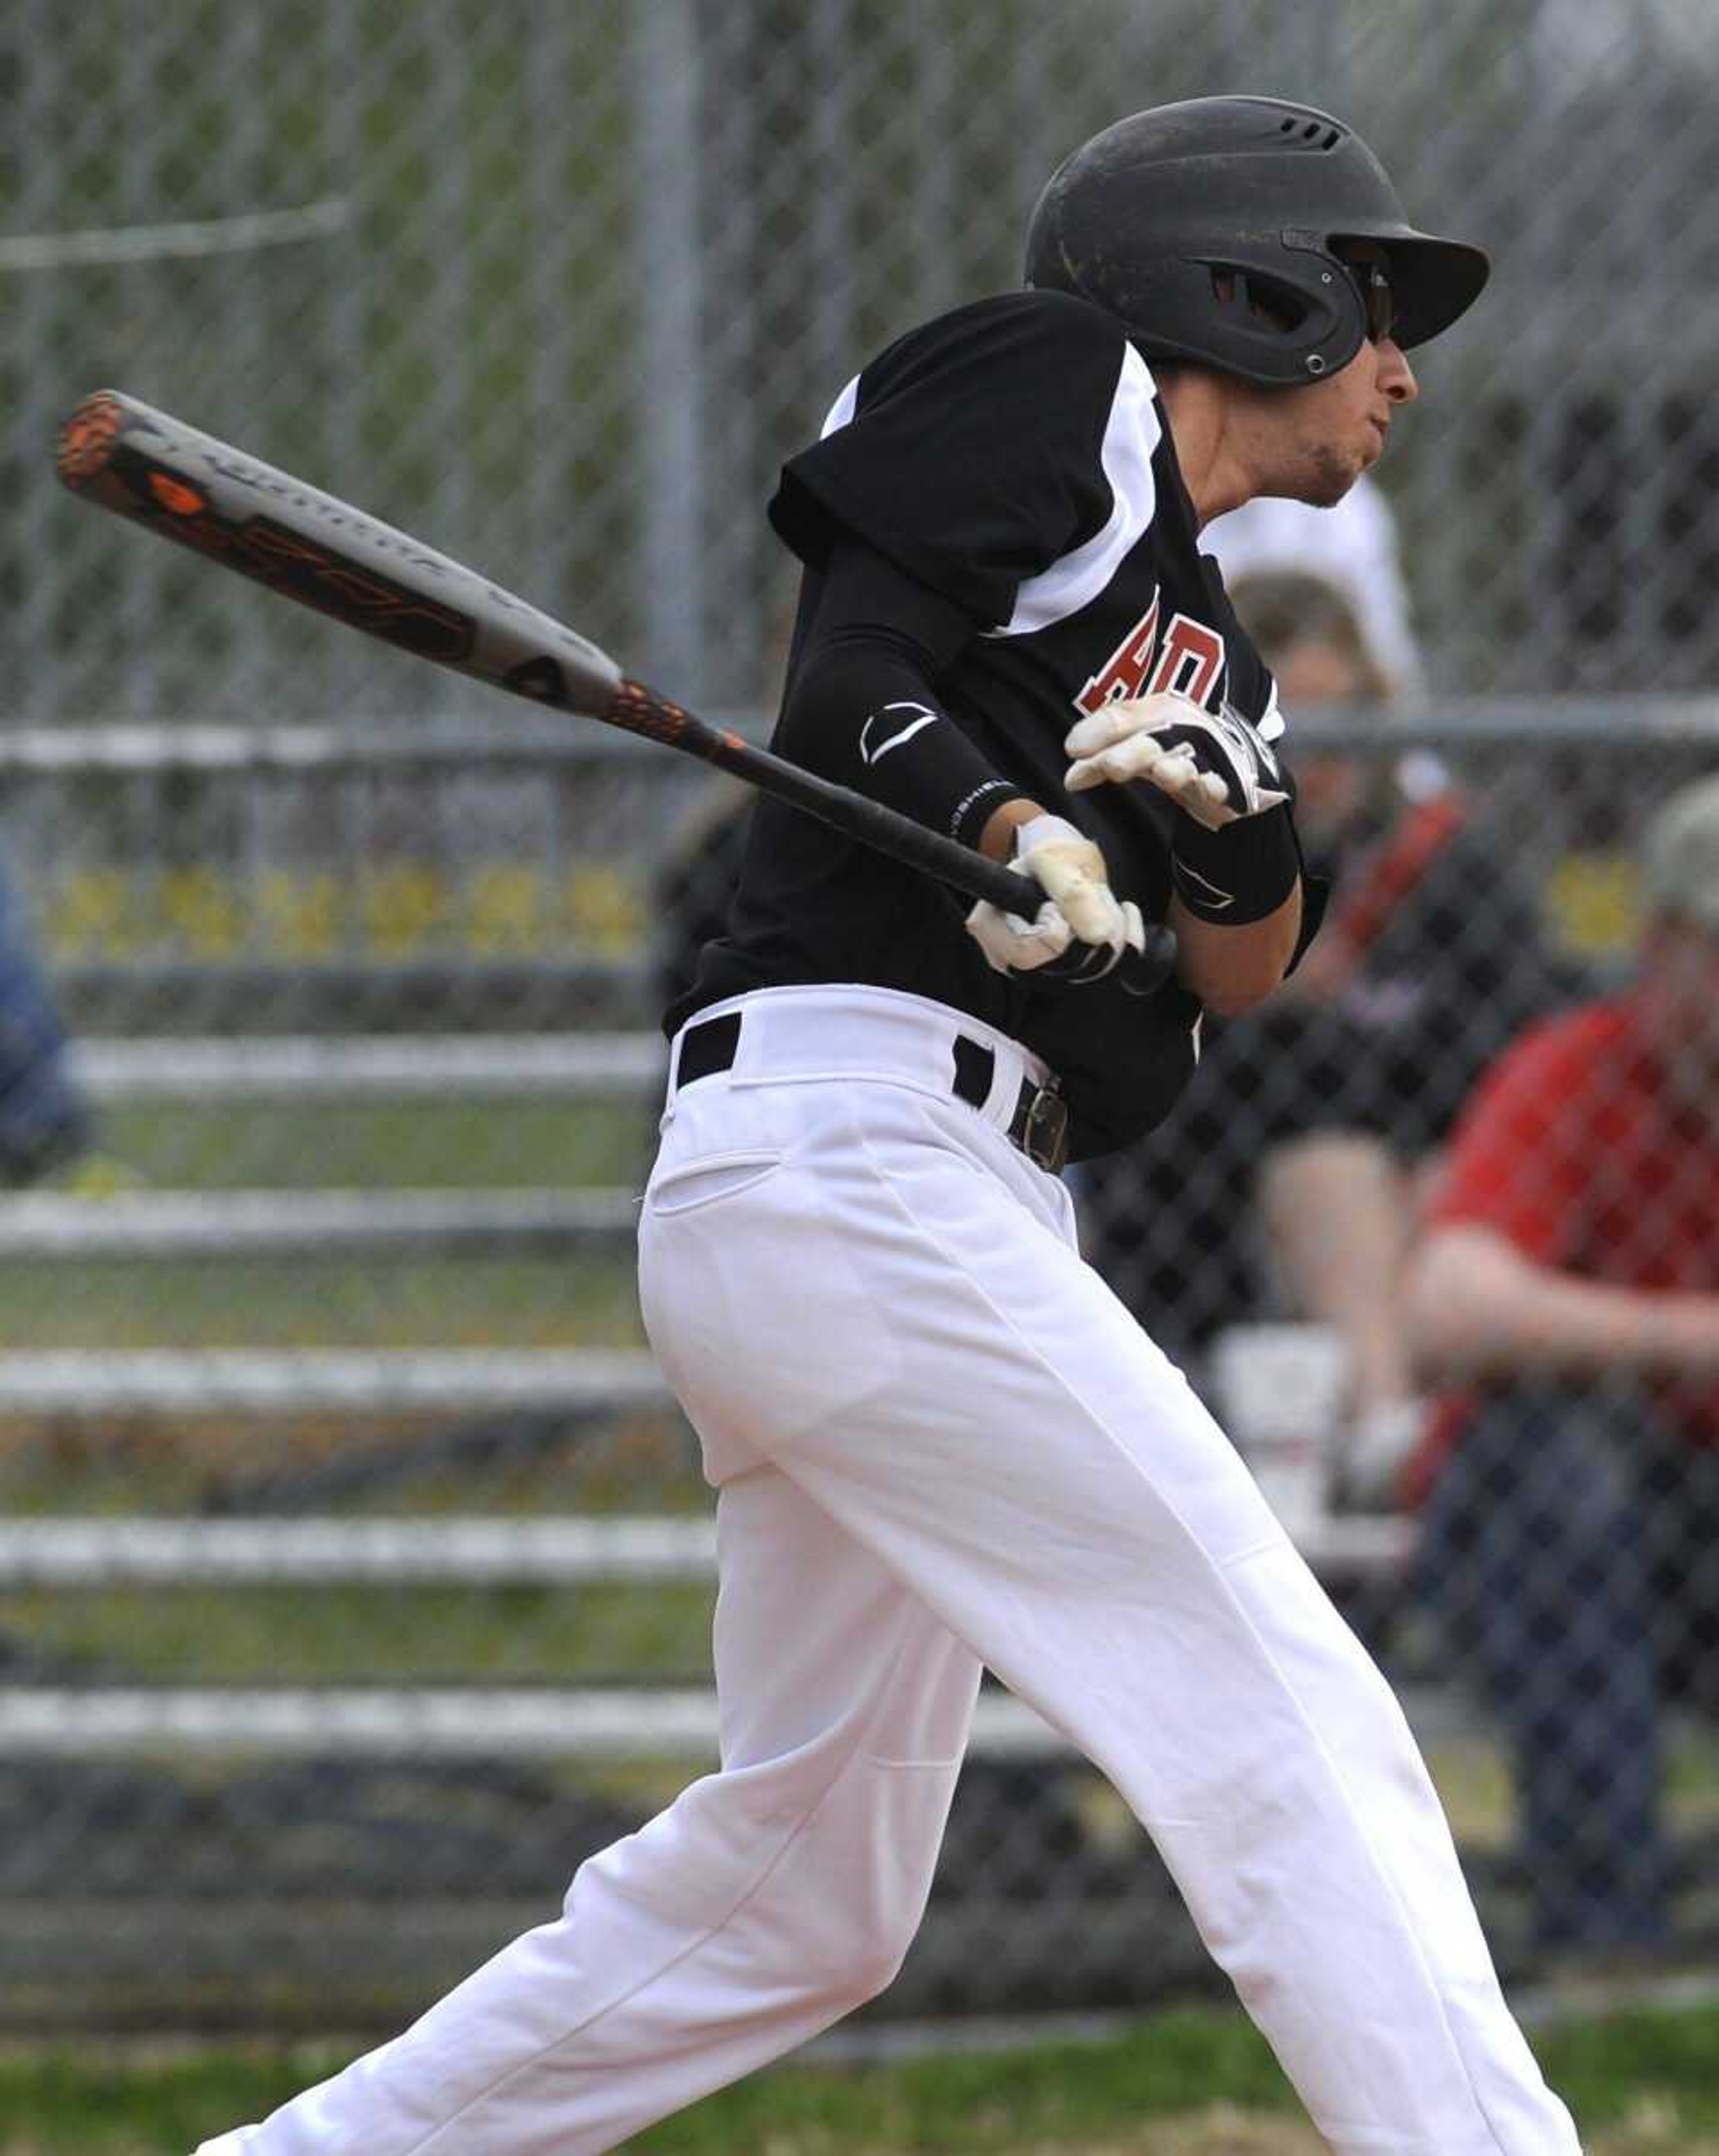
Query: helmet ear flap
x=1332, y=324
x=1284, y=326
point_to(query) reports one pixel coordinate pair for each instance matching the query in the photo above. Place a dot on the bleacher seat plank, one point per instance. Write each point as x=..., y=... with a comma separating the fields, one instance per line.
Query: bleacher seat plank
x=241, y=1224
x=73, y=1383
x=415, y=1065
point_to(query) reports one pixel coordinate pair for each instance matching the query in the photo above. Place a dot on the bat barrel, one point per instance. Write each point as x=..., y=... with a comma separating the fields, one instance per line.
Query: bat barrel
x=218, y=502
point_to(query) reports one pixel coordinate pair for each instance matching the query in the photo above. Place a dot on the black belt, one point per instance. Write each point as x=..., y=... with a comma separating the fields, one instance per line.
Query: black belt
x=1038, y=1127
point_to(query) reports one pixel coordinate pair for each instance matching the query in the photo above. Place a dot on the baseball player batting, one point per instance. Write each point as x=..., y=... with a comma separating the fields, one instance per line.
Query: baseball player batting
x=938, y=1441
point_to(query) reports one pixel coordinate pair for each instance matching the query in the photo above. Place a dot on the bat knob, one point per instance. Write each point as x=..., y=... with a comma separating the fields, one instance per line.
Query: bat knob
x=1144, y=972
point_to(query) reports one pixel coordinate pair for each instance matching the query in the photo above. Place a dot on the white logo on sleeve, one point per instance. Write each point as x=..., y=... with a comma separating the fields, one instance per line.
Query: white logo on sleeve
x=1206, y=889
x=920, y=717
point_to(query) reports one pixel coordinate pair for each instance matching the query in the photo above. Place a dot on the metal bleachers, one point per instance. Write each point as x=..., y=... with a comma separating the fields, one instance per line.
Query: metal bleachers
x=323, y=1381
x=424, y=1722
x=70, y=1556
x=145, y=1226
x=284, y=1223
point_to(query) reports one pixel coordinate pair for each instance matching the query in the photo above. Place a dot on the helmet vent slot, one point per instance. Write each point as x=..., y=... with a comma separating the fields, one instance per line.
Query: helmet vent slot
x=1317, y=134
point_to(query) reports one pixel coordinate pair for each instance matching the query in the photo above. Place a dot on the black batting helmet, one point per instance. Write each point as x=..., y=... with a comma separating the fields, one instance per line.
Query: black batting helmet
x=1209, y=229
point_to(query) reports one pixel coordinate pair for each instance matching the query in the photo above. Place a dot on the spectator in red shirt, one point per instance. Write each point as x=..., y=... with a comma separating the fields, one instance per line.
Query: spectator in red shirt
x=1567, y=1292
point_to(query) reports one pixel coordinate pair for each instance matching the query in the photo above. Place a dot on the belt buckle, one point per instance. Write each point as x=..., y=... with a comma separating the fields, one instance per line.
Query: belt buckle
x=1044, y=1135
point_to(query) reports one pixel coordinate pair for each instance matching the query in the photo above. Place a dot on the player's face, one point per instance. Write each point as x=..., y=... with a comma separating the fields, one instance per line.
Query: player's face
x=1679, y=1000
x=1316, y=440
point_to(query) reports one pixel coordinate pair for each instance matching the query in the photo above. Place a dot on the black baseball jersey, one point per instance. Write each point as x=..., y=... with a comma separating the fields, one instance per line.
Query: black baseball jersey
x=1013, y=457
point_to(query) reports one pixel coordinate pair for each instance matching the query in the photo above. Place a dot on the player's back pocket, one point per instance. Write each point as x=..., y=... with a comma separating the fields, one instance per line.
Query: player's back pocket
x=708, y=1180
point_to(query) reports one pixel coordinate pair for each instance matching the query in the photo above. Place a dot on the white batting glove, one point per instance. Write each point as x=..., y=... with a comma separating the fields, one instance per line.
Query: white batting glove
x=1215, y=766
x=1080, y=930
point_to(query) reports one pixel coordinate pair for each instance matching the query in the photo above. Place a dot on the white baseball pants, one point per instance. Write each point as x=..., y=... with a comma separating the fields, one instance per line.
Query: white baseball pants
x=941, y=1443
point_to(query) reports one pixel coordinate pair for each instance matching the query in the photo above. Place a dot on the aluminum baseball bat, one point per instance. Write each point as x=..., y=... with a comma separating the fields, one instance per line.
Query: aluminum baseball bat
x=233, y=509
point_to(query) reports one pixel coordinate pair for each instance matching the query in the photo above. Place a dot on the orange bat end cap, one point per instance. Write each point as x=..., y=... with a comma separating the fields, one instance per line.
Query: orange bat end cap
x=87, y=436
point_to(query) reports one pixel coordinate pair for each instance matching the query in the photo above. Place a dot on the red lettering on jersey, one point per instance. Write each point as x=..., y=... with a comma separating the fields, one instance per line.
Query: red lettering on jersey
x=1121, y=674
x=1190, y=662
x=1189, y=665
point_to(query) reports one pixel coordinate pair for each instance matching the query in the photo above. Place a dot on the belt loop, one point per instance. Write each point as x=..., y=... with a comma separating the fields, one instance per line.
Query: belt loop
x=975, y=1071
x=707, y=1046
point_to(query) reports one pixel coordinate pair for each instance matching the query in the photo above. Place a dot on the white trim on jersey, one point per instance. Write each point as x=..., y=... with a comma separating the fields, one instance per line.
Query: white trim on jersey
x=1130, y=434
x=841, y=411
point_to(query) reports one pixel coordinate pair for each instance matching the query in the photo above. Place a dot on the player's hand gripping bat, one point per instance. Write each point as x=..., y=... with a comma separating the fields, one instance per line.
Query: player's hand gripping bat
x=234, y=510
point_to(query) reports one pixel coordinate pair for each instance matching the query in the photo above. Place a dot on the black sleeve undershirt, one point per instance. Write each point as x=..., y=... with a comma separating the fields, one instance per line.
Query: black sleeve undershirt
x=862, y=706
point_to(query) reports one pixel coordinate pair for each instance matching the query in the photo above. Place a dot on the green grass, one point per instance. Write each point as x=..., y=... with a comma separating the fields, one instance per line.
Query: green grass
x=1636, y=2081
x=1053, y=2095
x=383, y=1145
x=403, y=1301
x=526, y=1634
x=643, y=1462
x=1603, y=2068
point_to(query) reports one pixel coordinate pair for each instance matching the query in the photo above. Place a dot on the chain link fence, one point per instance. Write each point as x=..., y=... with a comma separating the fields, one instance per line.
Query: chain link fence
x=558, y=286
x=355, y=1574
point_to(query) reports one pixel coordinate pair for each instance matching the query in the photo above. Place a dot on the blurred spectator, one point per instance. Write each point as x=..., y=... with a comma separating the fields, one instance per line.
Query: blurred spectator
x=1322, y=1106
x=1350, y=547
x=1570, y=1280
x=44, y=1122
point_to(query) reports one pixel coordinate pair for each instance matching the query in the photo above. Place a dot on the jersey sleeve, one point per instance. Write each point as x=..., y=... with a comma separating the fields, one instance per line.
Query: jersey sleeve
x=1516, y=1163
x=970, y=453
